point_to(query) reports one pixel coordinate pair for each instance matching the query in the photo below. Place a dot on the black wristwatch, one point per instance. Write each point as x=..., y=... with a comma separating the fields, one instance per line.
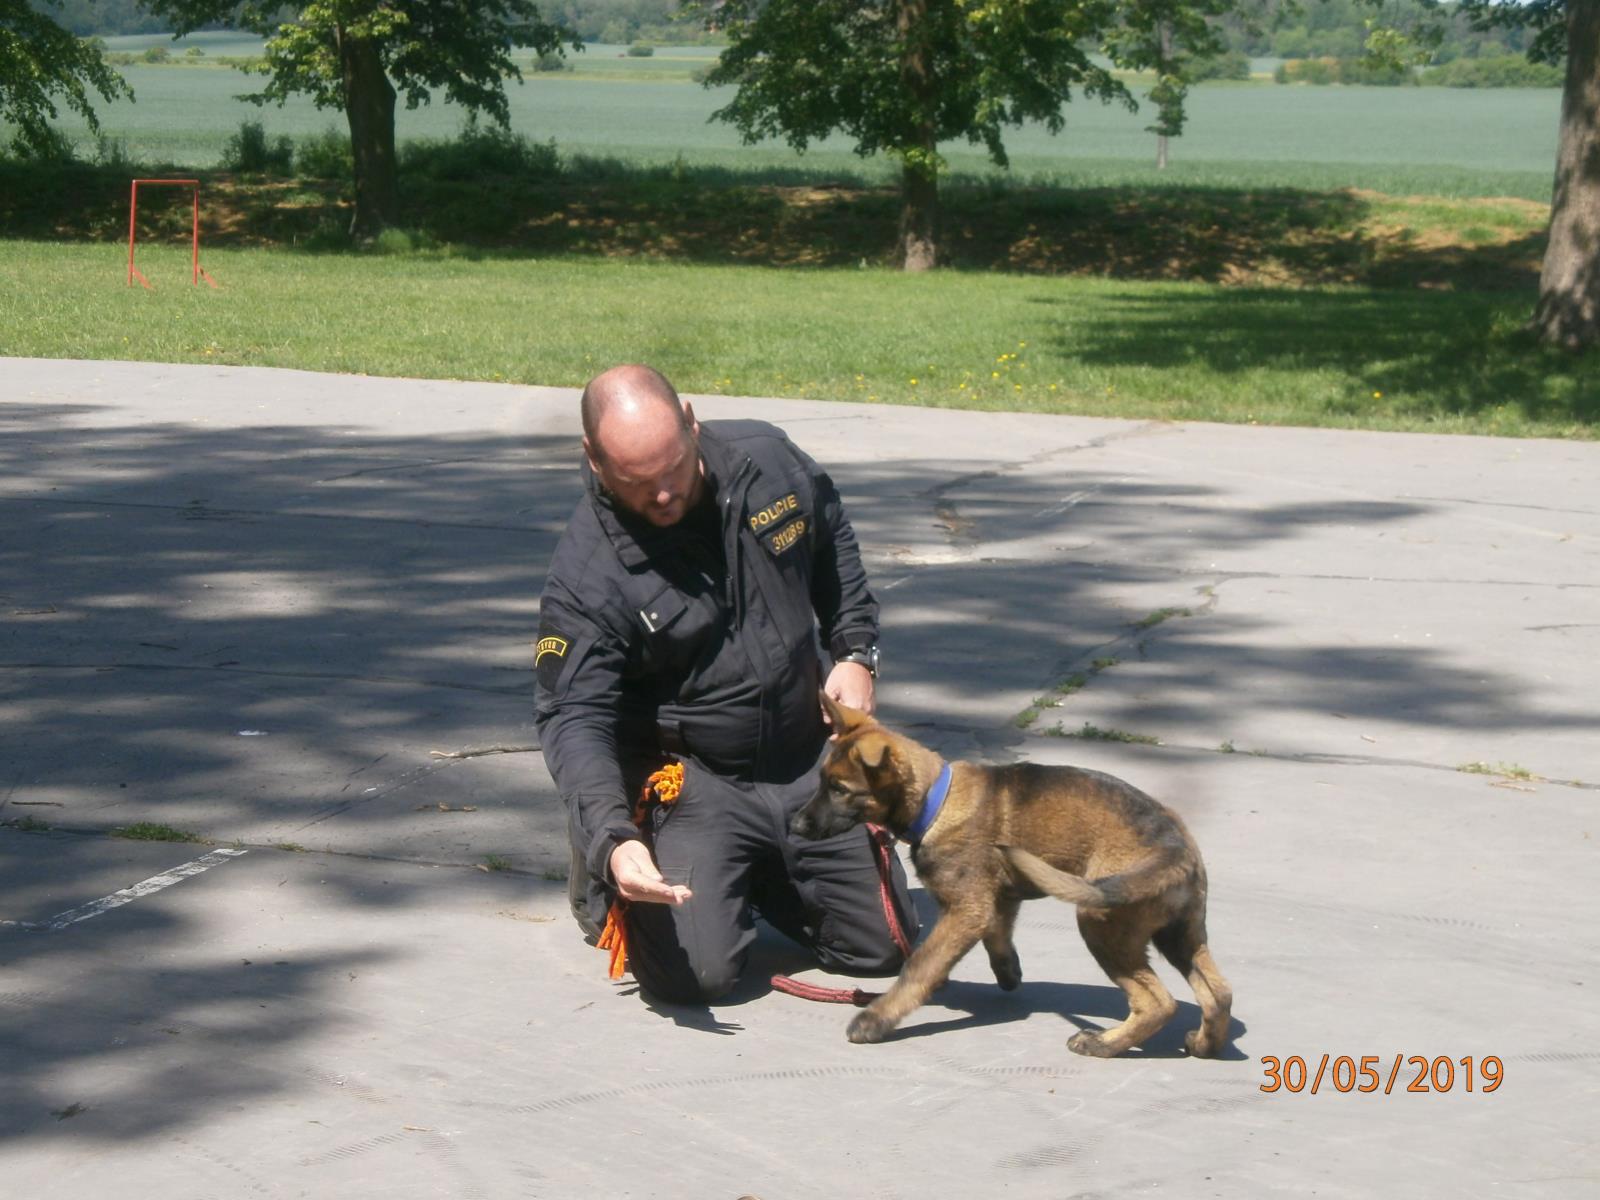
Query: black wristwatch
x=867, y=657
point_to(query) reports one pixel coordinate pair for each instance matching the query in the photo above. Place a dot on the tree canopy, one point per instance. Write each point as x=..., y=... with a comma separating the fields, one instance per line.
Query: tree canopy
x=361, y=55
x=41, y=65
x=901, y=76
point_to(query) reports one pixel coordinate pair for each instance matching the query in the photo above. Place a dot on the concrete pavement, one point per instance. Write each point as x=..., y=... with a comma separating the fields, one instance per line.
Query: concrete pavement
x=262, y=606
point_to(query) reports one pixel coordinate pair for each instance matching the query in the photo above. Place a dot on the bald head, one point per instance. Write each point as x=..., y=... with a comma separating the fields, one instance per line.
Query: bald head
x=642, y=442
x=628, y=390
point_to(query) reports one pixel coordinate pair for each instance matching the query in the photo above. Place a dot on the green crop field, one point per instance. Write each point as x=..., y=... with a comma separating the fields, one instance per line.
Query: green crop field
x=1435, y=141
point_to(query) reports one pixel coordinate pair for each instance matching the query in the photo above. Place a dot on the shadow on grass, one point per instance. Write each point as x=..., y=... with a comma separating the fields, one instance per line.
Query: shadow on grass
x=1418, y=354
x=475, y=200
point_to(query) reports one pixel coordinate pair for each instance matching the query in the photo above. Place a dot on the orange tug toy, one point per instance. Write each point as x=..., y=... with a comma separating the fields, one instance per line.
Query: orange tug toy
x=661, y=788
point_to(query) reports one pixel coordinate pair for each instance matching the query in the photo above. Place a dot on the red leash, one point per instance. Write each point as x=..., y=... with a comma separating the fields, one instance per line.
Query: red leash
x=883, y=848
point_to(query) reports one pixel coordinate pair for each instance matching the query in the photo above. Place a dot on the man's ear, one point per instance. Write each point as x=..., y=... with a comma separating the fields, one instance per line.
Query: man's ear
x=688, y=418
x=842, y=717
x=594, y=461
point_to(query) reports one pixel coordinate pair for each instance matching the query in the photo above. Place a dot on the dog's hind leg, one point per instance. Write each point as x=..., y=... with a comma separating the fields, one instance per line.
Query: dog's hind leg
x=997, y=940
x=1183, y=943
x=1121, y=947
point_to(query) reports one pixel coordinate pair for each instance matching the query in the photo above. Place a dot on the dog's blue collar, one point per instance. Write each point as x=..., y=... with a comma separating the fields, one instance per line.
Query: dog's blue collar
x=930, y=807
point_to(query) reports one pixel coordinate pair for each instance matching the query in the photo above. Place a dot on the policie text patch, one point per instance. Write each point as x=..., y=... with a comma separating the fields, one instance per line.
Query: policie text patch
x=772, y=513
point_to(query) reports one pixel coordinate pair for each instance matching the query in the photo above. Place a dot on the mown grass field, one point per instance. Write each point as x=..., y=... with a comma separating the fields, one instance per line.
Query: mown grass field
x=1400, y=141
x=1349, y=257
x=1341, y=357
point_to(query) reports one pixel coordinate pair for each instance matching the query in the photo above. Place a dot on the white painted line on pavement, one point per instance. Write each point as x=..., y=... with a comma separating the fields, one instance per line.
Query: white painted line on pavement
x=129, y=894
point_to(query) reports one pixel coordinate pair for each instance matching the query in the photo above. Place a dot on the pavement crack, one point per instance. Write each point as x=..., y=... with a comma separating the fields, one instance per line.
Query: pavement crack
x=1075, y=673
x=1546, y=508
x=419, y=465
x=278, y=844
x=231, y=669
x=188, y=512
x=1320, y=577
x=945, y=511
x=379, y=792
x=1320, y=758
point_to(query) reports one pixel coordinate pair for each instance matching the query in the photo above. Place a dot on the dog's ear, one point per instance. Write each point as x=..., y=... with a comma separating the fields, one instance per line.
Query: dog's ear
x=842, y=717
x=872, y=752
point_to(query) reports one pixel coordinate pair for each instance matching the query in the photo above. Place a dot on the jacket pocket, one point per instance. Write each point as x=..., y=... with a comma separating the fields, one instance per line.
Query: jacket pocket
x=661, y=613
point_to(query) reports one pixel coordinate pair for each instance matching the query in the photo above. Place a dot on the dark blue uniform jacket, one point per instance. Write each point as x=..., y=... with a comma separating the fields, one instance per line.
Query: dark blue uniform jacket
x=650, y=645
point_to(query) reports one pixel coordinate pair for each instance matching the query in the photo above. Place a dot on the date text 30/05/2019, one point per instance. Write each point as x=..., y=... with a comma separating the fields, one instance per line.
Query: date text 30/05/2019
x=1410, y=1073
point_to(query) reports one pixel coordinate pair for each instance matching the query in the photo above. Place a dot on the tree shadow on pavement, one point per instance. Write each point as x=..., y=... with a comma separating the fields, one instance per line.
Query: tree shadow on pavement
x=359, y=599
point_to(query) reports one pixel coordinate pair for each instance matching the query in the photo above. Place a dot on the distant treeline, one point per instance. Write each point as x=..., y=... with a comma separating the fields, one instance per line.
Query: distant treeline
x=1496, y=71
x=108, y=18
x=1322, y=29
x=1314, y=30
x=618, y=21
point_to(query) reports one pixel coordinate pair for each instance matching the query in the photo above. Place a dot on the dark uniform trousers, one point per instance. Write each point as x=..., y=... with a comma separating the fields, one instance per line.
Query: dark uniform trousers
x=729, y=842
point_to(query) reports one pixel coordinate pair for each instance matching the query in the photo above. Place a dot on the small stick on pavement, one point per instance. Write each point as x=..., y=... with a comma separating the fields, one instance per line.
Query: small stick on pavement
x=480, y=751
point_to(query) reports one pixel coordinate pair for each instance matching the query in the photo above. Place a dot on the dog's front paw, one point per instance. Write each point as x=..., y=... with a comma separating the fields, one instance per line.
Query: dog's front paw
x=1199, y=1045
x=868, y=1026
x=1090, y=1044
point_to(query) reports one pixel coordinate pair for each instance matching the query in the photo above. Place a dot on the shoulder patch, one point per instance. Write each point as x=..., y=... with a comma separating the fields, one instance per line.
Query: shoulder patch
x=549, y=656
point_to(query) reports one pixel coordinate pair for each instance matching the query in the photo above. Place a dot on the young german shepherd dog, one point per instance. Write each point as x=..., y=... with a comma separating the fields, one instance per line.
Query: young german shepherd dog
x=1015, y=833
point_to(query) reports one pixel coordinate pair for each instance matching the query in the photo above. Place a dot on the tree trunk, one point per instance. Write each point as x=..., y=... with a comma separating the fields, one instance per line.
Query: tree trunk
x=919, y=218
x=919, y=177
x=369, y=106
x=1164, y=34
x=1568, y=313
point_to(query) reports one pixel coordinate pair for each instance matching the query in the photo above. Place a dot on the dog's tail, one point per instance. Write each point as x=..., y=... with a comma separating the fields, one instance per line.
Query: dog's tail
x=1144, y=879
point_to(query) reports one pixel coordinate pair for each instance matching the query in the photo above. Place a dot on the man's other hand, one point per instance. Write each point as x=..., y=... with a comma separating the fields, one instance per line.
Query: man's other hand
x=850, y=684
x=634, y=872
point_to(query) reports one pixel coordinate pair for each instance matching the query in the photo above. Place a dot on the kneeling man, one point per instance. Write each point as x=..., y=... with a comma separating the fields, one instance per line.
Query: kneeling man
x=681, y=619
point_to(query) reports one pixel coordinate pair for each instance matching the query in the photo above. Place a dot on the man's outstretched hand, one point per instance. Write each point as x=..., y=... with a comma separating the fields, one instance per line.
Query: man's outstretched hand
x=634, y=872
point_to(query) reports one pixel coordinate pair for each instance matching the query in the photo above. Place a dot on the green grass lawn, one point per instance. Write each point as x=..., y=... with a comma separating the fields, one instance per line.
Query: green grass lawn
x=1342, y=357
x=1397, y=306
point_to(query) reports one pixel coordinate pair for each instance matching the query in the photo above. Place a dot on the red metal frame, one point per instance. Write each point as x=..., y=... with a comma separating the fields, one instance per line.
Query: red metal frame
x=133, y=213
